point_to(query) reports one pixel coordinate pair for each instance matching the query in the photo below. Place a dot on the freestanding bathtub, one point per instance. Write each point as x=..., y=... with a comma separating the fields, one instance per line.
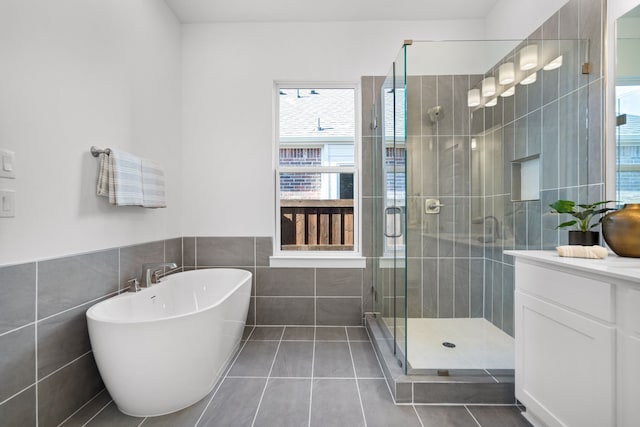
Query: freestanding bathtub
x=163, y=348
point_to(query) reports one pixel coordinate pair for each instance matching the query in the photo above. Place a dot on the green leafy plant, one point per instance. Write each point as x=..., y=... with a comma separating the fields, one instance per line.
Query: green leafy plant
x=583, y=216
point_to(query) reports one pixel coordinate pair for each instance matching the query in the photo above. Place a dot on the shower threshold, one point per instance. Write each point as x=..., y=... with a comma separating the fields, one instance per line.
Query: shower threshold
x=436, y=384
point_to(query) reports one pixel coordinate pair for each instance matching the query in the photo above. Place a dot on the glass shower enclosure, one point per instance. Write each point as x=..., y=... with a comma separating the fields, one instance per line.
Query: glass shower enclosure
x=466, y=161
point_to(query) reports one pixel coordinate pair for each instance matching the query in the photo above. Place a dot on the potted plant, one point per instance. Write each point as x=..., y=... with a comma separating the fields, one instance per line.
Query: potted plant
x=584, y=215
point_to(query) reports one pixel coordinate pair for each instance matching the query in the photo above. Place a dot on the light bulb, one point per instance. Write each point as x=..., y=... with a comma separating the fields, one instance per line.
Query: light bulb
x=489, y=86
x=506, y=73
x=473, y=98
x=529, y=57
x=556, y=63
x=508, y=92
x=531, y=78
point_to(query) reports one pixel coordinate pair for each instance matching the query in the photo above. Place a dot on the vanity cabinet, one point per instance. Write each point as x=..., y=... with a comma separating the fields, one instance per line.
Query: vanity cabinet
x=577, y=339
x=628, y=357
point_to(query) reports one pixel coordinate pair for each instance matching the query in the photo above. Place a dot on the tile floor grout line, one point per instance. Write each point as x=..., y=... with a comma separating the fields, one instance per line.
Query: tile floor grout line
x=97, y=413
x=491, y=375
x=393, y=398
x=223, y=377
x=417, y=415
x=491, y=405
x=83, y=406
x=311, y=340
x=313, y=360
x=62, y=367
x=355, y=375
x=35, y=332
x=19, y=392
x=18, y=328
x=308, y=378
x=266, y=383
x=472, y=416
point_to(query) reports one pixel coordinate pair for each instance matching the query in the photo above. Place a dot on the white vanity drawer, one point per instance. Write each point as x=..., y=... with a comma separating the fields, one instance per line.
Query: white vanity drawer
x=576, y=292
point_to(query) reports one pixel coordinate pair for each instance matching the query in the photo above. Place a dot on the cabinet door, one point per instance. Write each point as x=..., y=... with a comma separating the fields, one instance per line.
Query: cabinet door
x=564, y=364
x=628, y=356
x=629, y=380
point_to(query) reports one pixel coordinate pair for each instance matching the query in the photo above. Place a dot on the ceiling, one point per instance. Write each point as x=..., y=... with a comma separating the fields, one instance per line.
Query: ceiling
x=327, y=10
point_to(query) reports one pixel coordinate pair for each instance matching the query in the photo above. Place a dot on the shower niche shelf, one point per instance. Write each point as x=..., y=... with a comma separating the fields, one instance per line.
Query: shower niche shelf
x=525, y=179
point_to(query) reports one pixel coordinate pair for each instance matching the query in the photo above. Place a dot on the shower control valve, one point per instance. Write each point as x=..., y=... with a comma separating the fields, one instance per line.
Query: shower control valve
x=432, y=206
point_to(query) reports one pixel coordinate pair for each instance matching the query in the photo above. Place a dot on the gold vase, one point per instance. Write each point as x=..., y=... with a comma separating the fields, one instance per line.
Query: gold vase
x=621, y=230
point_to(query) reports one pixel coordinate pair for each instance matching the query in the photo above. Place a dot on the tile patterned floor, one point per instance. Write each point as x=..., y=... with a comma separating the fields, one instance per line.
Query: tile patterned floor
x=303, y=376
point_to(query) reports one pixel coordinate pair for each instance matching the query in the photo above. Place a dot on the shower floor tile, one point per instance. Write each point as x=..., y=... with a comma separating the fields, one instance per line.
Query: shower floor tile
x=478, y=344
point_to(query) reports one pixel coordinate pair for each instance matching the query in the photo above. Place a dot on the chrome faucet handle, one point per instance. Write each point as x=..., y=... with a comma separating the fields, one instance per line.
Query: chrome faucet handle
x=148, y=268
x=155, y=276
x=432, y=206
x=134, y=285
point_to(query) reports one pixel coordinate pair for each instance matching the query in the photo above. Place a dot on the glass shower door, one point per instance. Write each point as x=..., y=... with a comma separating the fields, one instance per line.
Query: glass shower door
x=391, y=204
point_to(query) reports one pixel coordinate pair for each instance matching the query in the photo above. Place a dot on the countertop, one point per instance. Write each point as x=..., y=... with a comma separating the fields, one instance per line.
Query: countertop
x=626, y=269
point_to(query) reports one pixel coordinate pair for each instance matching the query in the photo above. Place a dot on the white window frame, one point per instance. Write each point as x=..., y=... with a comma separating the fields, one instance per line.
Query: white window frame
x=318, y=259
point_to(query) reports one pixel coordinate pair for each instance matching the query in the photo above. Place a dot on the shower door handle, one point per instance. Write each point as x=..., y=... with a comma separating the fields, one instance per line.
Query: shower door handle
x=396, y=225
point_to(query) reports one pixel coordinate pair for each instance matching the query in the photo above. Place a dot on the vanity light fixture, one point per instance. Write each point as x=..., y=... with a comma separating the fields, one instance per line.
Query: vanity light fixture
x=473, y=98
x=474, y=144
x=489, y=86
x=506, y=73
x=531, y=78
x=529, y=57
x=553, y=65
x=508, y=92
x=491, y=103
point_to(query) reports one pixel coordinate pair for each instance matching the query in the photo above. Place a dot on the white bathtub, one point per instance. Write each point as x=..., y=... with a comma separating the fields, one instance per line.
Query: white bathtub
x=163, y=348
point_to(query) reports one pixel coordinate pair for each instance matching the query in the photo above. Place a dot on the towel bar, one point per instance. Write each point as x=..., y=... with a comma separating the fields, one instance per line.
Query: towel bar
x=95, y=151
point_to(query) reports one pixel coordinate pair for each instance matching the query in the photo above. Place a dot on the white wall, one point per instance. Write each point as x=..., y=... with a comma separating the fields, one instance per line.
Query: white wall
x=516, y=20
x=228, y=76
x=76, y=73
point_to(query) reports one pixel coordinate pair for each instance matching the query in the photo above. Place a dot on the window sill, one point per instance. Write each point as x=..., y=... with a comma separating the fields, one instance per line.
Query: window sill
x=317, y=261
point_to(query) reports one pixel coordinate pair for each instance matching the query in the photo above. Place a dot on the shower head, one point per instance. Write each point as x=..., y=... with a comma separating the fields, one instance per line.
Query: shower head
x=435, y=113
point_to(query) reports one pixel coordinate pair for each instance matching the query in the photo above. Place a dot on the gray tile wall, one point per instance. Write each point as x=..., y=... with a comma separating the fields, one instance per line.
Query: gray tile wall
x=560, y=118
x=283, y=296
x=47, y=370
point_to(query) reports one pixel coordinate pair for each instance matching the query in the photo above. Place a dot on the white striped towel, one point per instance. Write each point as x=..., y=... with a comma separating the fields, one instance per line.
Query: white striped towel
x=152, y=185
x=103, y=176
x=120, y=178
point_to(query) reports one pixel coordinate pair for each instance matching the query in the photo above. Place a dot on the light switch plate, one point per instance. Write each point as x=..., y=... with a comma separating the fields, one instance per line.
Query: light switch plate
x=7, y=203
x=7, y=167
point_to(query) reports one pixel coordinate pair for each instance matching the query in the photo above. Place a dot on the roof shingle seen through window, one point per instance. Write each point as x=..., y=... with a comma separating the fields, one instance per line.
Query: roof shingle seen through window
x=317, y=113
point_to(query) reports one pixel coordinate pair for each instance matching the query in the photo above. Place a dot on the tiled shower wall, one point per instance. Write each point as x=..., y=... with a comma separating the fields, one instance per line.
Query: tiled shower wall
x=47, y=369
x=560, y=118
x=450, y=271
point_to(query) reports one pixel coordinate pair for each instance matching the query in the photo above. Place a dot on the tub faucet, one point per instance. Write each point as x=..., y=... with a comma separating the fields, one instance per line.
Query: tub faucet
x=151, y=271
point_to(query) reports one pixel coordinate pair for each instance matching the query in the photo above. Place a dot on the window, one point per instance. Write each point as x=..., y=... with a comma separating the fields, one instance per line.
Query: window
x=628, y=142
x=317, y=187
